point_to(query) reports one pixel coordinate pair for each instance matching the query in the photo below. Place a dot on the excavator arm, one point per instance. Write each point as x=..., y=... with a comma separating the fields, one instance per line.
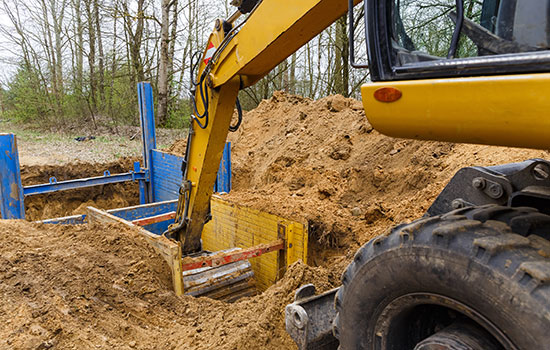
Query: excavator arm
x=237, y=56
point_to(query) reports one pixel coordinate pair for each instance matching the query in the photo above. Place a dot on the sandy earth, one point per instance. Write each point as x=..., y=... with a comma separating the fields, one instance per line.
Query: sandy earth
x=91, y=287
x=81, y=287
x=322, y=161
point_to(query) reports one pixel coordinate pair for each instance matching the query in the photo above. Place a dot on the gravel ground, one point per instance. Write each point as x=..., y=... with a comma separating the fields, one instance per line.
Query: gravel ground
x=38, y=147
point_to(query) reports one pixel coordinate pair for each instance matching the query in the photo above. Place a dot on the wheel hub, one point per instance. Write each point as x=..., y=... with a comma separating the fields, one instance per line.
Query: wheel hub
x=403, y=325
x=459, y=336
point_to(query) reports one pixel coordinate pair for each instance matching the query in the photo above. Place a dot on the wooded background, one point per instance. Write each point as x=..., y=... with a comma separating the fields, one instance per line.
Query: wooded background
x=78, y=61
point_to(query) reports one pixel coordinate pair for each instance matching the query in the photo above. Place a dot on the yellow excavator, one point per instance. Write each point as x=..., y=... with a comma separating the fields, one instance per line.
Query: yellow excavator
x=474, y=272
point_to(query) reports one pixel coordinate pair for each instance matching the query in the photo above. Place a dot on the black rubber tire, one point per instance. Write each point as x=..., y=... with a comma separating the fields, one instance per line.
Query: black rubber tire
x=490, y=258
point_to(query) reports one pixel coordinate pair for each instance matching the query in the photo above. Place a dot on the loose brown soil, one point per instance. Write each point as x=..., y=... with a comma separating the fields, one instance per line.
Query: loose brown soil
x=89, y=287
x=103, y=287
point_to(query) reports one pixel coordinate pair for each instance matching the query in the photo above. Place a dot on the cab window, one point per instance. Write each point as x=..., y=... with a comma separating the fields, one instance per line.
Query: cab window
x=425, y=33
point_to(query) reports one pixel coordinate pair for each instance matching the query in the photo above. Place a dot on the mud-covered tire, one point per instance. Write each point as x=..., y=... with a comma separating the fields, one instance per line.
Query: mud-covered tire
x=488, y=264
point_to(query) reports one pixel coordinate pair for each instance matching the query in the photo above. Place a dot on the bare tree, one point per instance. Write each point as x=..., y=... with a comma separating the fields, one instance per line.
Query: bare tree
x=135, y=37
x=79, y=49
x=341, y=60
x=164, y=62
x=101, y=56
x=92, y=100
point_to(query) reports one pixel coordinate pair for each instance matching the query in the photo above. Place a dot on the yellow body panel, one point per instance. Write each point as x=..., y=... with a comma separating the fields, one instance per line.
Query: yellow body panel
x=275, y=30
x=509, y=110
x=233, y=225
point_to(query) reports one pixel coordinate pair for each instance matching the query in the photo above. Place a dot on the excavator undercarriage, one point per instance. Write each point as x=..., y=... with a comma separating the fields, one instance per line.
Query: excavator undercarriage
x=504, y=207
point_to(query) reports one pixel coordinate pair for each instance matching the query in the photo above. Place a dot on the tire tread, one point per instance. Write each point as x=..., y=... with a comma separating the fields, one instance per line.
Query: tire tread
x=483, y=233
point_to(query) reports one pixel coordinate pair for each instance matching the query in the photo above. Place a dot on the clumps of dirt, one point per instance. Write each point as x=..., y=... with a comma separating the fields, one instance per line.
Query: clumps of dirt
x=65, y=285
x=321, y=161
x=177, y=148
x=256, y=322
x=73, y=202
x=103, y=286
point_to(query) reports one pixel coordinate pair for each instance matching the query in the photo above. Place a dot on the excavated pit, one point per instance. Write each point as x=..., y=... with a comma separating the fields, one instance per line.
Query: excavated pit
x=104, y=287
x=71, y=202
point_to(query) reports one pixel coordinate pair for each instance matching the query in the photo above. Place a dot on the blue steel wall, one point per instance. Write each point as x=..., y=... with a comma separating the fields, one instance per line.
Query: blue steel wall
x=11, y=191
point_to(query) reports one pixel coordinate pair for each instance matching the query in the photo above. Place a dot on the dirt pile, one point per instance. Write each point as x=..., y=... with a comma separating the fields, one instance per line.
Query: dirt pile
x=323, y=162
x=72, y=202
x=89, y=287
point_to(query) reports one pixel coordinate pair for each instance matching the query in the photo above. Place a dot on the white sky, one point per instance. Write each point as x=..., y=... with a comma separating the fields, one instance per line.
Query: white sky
x=6, y=69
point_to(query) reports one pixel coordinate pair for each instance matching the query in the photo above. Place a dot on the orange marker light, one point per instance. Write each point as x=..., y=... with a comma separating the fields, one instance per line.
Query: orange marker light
x=387, y=94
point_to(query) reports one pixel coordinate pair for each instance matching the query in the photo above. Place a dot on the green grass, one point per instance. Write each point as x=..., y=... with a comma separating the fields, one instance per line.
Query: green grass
x=36, y=136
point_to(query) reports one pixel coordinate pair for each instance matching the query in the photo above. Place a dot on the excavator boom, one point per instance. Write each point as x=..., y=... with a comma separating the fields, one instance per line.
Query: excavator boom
x=237, y=57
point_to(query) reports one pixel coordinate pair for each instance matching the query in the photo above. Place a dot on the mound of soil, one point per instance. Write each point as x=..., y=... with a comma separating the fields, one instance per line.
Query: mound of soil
x=103, y=286
x=321, y=161
x=72, y=202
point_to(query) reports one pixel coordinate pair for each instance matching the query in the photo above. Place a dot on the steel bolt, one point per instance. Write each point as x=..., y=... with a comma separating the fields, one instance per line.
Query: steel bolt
x=541, y=171
x=457, y=204
x=210, y=81
x=478, y=183
x=495, y=191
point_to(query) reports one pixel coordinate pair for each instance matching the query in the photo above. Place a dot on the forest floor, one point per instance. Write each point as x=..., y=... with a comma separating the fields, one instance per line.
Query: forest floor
x=90, y=287
x=39, y=146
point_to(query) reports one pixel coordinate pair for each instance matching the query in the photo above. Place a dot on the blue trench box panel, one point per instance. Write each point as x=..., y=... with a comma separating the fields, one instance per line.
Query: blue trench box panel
x=12, y=205
x=129, y=214
x=148, y=137
x=167, y=174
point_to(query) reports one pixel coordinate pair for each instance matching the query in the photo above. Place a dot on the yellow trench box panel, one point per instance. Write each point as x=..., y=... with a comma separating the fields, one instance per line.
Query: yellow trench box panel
x=233, y=225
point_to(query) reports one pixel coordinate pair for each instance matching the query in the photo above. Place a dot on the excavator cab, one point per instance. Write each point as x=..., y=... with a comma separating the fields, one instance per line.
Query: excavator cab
x=460, y=71
x=409, y=39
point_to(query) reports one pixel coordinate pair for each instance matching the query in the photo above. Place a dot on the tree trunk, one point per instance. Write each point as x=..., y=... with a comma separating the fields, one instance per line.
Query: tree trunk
x=100, y=59
x=79, y=50
x=341, y=68
x=163, y=63
x=57, y=15
x=135, y=40
x=91, y=58
x=292, y=74
x=171, y=52
x=113, y=70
